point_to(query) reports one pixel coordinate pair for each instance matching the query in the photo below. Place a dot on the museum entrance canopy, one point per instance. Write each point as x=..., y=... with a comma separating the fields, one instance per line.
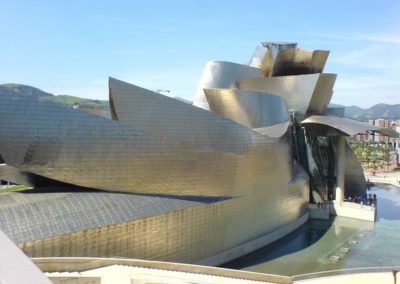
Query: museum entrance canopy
x=334, y=126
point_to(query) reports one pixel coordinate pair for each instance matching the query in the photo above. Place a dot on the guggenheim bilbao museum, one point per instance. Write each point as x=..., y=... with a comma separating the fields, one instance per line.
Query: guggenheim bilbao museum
x=166, y=180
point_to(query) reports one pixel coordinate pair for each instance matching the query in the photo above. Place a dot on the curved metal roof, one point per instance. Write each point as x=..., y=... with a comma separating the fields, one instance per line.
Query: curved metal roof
x=35, y=214
x=70, y=146
x=163, y=116
x=342, y=126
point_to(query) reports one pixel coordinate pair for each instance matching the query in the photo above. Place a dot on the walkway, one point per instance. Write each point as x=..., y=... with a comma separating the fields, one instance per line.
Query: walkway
x=386, y=178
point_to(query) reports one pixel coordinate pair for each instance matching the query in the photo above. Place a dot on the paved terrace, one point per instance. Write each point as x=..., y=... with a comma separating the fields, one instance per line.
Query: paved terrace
x=386, y=178
x=104, y=271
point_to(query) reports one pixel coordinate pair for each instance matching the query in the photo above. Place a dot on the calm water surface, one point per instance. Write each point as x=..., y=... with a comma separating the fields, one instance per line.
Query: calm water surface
x=314, y=245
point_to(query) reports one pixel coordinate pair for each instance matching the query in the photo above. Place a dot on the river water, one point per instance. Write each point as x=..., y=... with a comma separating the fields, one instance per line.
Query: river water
x=339, y=243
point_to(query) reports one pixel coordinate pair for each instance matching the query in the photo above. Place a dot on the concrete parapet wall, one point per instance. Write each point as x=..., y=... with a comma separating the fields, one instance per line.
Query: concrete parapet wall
x=393, y=180
x=318, y=213
x=357, y=275
x=353, y=210
x=71, y=265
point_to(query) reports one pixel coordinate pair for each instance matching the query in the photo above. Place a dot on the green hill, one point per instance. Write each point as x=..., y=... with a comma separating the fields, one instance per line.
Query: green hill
x=71, y=100
x=383, y=111
x=11, y=89
x=353, y=111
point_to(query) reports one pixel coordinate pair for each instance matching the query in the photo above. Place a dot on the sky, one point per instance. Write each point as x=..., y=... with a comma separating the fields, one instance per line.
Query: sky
x=72, y=47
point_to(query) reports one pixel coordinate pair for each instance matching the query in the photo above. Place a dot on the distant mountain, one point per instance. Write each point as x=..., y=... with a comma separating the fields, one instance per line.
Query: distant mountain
x=383, y=111
x=83, y=103
x=377, y=111
x=10, y=89
x=353, y=111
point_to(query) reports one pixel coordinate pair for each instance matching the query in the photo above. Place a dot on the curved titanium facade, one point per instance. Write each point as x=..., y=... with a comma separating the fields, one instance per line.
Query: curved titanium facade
x=221, y=74
x=59, y=211
x=276, y=130
x=163, y=116
x=303, y=93
x=17, y=176
x=185, y=184
x=265, y=54
x=148, y=227
x=14, y=175
x=78, y=148
x=251, y=109
x=296, y=61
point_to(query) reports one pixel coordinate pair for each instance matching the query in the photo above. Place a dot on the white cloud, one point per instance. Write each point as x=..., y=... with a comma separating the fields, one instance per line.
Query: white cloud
x=367, y=66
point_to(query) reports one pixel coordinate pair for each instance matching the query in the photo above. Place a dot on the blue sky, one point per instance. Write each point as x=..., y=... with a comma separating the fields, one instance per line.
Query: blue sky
x=71, y=47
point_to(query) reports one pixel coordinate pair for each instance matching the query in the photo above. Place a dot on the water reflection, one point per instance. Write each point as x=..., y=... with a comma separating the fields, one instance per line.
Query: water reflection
x=301, y=238
x=335, y=244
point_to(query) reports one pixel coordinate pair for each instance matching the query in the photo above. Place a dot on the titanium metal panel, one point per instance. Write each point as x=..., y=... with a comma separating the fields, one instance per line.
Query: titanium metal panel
x=97, y=111
x=251, y=109
x=322, y=94
x=102, y=224
x=296, y=61
x=274, y=131
x=258, y=56
x=78, y=148
x=221, y=74
x=17, y=176
x=266, y=53
x=36, y=215
x=14, y=175
x=303, y=93
x=163, y=116
x=342, y=126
